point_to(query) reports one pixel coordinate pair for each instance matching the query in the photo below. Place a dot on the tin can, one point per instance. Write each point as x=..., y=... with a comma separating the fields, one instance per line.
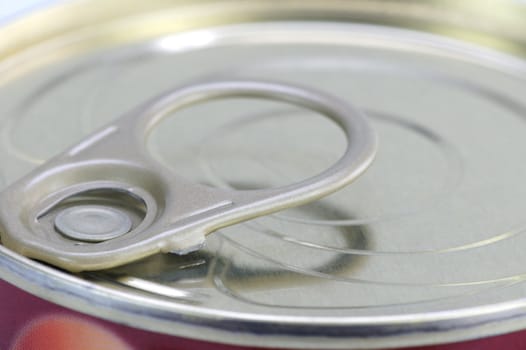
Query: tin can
x=424, y=249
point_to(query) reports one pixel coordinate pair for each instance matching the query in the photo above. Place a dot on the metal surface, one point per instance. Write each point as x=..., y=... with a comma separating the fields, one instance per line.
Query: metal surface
x=92, y=223
x=178, y=214
x=425, y=247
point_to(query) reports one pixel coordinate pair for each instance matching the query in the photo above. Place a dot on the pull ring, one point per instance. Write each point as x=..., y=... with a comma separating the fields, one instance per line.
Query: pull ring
x=106, y=202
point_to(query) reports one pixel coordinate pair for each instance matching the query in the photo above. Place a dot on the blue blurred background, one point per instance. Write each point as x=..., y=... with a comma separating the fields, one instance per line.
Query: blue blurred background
x=11, y=9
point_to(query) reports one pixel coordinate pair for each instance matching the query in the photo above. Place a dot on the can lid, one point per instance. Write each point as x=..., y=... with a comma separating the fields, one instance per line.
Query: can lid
x=425, y=247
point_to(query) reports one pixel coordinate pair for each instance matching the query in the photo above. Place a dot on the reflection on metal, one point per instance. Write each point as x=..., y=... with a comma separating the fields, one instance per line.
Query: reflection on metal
x=155, y=288
x=205, y=268
x=426, y=247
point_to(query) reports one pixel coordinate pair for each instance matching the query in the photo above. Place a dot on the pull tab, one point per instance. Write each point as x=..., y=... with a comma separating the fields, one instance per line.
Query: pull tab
x=105, y=202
